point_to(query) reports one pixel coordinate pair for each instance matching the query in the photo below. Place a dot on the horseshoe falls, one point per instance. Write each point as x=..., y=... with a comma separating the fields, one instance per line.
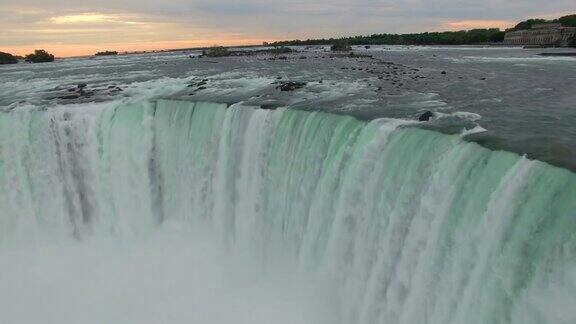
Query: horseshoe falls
x=180, y=212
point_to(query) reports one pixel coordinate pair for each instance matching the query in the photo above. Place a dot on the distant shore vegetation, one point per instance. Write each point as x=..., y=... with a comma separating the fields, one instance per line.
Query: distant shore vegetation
x=216, y=51
x=470, y=37
x=463, y=37
x=39, y=56
x=7, y=58
x=566, y=21
x=341, y=45
x=106, y=53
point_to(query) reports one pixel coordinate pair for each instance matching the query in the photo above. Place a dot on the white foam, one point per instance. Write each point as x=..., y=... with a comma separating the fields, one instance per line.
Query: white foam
x=476, y=130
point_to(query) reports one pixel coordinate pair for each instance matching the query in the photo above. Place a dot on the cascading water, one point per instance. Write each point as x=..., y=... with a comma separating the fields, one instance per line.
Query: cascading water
x=399, y=225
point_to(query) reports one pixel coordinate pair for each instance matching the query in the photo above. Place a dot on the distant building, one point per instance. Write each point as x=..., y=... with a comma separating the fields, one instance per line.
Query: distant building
x=550, y=34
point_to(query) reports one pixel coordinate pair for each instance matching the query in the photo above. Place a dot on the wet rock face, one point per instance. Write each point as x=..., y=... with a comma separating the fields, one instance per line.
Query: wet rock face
x=426, y=116
x=198, y=86
x=290, y=85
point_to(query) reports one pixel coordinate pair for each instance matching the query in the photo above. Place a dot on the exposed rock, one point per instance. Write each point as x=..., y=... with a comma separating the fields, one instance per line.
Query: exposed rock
x=269, y=106
x=70, y=97
x=426, y=116
x=290, y=85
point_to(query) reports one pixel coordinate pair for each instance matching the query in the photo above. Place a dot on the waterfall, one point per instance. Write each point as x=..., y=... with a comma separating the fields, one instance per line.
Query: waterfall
x=409, y=225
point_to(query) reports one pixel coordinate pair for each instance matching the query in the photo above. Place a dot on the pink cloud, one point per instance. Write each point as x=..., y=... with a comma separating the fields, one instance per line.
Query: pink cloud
x=472, y=24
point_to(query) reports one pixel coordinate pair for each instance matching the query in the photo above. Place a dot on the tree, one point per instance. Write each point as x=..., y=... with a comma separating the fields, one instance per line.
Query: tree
x=7, y=58
x=568, y=21
x=106, y=53
x=39, y=56
x=527, y=24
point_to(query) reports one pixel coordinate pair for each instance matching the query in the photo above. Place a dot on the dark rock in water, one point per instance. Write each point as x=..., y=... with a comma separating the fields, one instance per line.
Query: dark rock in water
x=426, y=116
x=367, y=47
x=290, y=85
x=269, y=107
x=69, y=97
x=82, y=85
x=443, y=72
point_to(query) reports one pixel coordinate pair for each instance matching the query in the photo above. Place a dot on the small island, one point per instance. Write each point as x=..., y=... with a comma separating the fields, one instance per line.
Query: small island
x=7, y=58
x=216, y=51
x=39, y=56
x=106, y=53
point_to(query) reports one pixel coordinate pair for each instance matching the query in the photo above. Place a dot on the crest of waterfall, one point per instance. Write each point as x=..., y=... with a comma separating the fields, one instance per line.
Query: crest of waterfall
x=409, y=225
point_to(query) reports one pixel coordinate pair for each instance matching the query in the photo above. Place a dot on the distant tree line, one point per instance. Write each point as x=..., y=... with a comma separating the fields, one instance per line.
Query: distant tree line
x=566, y=21
x=7, y=58
x=106, y=53
x=470, y=37
x=39, y=56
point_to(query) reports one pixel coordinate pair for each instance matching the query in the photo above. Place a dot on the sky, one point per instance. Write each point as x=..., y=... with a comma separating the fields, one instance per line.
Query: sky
x=77, y=27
